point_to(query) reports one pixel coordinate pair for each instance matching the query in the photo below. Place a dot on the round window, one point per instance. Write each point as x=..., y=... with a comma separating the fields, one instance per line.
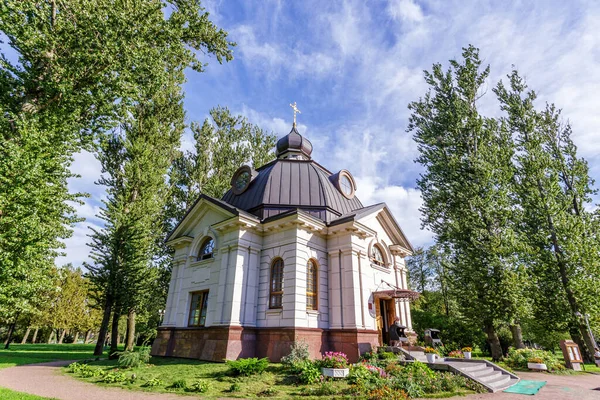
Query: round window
x=345, y=184
x=241, y=180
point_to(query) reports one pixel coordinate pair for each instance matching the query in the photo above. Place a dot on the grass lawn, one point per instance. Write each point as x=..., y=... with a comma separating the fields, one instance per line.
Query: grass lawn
x=6, y=394
x=273, y=382
x=19, y=354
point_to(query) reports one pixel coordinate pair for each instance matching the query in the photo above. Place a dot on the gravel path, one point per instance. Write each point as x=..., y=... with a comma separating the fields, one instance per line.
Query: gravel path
x=47, y=380
x=558, y=387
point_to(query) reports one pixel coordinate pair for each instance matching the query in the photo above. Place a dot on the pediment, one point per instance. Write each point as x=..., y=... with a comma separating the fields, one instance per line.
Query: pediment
x=201, y=208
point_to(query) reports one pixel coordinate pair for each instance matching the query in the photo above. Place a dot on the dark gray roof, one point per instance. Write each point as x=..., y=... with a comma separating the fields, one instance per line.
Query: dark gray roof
x=293, y=142
x=288, y=184
x=217, y=202
x=357, y=214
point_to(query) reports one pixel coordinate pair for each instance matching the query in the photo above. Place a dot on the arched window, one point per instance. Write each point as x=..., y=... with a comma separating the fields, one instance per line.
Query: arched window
x=312, y=285
x=276, y=286
x=206, y=250
x=377, y=255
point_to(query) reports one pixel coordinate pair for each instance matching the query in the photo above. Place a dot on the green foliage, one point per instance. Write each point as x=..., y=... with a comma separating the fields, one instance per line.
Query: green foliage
x=153, y=382
x=70, y=81
x=134, y=359
x=235, y=387
x=518, y=359
x=179, y=384
x=199, y=386
x=223, y=144
x=467, y=160
x=247, y=366
x=114, y=377
x=387, y=355
x=306, y=371
x=298, y=352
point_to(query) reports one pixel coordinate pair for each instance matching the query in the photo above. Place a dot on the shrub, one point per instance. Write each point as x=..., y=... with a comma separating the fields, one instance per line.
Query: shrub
x=369, y=356
x=518, y=359
x=365, y=377
x=114, y=377
x=387, y=355
x=179, y=384
x=248, y=366
x=203, y=386
x=408, y=386
x=334, y=360
x=298, y=352
x=74, y=368
x=307, y=371
x=134, y=359
x=153, y=382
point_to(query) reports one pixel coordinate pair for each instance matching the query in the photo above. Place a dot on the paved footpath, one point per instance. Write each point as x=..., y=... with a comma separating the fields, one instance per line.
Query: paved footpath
x=558, y=387
x=47, y=380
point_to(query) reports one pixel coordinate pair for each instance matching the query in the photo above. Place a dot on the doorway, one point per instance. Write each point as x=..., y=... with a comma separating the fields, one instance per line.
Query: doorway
x=386, y=315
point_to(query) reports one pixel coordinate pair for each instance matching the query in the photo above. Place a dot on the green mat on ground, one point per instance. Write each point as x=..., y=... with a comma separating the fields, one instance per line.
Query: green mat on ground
x=526, y=387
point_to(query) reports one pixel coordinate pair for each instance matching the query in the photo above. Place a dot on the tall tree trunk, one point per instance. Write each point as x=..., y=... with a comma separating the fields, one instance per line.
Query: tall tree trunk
x=11, y=330
x=576, y=337
x=130, y=339
x=76, y=337
x=87, y=336
x=108, y=303
x=26, y=335
x=62, y=336
x=114, y=335
x=517, y=336
x=51, y=335
x=493, y=341
x=34, y=336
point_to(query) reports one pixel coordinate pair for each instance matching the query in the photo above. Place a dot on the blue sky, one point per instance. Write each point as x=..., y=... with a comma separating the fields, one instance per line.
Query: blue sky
x=353, y=67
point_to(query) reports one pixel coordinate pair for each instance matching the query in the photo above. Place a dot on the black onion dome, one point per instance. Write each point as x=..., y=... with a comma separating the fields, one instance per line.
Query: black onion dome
x=294, y=142
x=289, y=184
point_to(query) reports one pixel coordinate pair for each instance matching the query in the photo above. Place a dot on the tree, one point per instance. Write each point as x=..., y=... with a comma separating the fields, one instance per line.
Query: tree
x=79, y=69
x=553, y=187
x=465, y=189
x=221, y=147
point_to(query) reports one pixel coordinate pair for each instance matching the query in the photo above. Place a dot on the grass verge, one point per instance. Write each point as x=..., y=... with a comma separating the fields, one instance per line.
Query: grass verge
x=20, y=354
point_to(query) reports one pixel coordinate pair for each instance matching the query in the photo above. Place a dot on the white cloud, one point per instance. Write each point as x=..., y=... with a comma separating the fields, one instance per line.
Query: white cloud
x=405, y=10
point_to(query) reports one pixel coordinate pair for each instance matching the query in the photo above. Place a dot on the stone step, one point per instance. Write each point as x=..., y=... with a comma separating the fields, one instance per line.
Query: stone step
x=482, y=372
x=500, y=382
x=471, y=368
x=501, y=386
x=490, y=377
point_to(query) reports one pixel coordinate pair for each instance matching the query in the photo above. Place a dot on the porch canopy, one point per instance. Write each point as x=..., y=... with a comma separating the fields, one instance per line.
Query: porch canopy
x=403, y=294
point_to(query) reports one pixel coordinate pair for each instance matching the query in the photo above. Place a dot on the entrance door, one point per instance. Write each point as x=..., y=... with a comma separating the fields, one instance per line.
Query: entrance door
x=386, y=312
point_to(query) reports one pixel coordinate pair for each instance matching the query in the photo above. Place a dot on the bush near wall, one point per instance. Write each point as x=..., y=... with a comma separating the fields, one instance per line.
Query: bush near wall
x=517, y=359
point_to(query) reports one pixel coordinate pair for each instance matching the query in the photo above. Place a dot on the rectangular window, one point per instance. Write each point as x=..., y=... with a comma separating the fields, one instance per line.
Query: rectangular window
x=198, y=308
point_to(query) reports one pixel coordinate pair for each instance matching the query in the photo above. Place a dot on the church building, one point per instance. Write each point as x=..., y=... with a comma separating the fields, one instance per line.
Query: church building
x=288, y=254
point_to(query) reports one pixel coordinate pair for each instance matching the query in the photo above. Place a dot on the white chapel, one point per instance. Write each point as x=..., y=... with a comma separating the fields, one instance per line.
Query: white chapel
x=289, y=253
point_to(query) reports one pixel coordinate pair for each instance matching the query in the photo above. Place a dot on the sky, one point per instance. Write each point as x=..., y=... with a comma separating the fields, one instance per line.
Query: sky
x=354, y=66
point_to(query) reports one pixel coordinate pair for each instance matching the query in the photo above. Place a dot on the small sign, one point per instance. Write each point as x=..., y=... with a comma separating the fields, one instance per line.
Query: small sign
x=371, y=305
x=571, y=354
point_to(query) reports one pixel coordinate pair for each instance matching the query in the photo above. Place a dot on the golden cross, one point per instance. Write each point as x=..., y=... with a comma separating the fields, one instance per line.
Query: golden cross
x=295, y=111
